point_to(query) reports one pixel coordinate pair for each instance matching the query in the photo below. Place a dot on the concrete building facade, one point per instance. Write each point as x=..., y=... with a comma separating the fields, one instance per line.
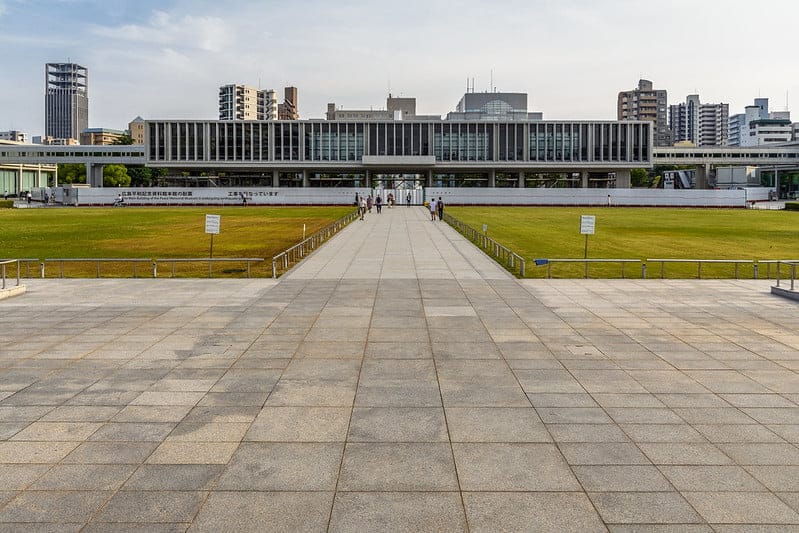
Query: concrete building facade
x=480, y=153
x=699, y=124
x=493, y=106
x=14, y=135
x=100, y=136
x=136, y=130
x=19, y=178
x=289, y=109
x=397, y=108
x=758, y=126
x=66, y=110
x=242, y=102
x=647, y=103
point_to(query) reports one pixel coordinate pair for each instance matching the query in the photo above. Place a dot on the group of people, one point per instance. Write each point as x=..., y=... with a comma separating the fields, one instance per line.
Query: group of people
x=365, y=204
x=436, y=208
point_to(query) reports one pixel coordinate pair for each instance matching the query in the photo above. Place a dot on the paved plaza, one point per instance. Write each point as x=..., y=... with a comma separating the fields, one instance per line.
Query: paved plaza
x=399, y=380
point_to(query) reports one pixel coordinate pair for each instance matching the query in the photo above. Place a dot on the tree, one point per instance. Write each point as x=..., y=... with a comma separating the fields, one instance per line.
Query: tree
x=639, y=177
x=71, y=173
x=115, y=176
x=123, y=139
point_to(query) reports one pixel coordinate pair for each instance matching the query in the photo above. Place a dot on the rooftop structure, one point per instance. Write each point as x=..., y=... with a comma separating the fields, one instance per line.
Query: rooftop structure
x=493, y=106
x=66, y=100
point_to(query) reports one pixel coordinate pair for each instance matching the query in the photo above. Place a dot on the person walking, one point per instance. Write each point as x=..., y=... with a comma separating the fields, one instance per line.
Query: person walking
x=362, y=207
x=390, y=200
x=440, y=208
x=408, y=200
x=433, y=209
x=29, y=197
x=369, y=202
x=379, y=204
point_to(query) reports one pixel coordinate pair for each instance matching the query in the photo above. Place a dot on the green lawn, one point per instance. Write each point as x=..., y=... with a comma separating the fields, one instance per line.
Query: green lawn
x=155, y=233
x=632, y=233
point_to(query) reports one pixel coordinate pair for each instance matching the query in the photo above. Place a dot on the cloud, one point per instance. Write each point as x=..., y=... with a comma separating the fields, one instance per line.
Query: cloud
x=208, y=33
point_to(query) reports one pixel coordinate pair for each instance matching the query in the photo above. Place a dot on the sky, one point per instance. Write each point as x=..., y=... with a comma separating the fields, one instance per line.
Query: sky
x=167, y=59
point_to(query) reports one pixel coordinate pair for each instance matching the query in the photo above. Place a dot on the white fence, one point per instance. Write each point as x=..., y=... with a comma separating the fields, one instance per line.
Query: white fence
x=589, y=197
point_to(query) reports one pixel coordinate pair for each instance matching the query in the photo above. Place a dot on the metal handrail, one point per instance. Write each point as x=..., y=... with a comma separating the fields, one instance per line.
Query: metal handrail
x=296, y=253
x=700, y=262
x=501, y=253
x=776, y=262
x=209, y=260
x=97, y=260
x=793, y=264
x=623, y=262
x=3, y=270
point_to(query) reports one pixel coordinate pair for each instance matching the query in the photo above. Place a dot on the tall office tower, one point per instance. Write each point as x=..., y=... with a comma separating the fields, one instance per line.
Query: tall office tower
x=66, y=100
x=242, y=102
x=646, y=103
x=698, y=123
x=289, y=109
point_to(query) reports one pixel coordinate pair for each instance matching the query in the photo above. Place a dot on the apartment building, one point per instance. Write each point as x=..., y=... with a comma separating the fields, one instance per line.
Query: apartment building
x=242, y=102
x=646, y=103
x=699, y=124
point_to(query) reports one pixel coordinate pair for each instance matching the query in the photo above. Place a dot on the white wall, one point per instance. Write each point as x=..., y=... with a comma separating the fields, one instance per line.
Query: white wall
x=216, y=196
x=589, y=197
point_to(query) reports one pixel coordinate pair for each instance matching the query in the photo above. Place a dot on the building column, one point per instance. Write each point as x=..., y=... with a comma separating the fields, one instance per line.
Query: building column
x=368, y=178
x=430, y=178
x=275, y=178
x=702, y=173
x=94, y=174
x=19, y=180
x=492, y=178
x=521, y=180
x=305, y=180
x=584, y=179
x=623, y=179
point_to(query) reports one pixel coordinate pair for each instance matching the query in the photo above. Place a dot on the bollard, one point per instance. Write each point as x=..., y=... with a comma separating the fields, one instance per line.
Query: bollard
x=41, y=269
x=755, y=268
x=4, y=275
x=155, y=269
x=643, y=270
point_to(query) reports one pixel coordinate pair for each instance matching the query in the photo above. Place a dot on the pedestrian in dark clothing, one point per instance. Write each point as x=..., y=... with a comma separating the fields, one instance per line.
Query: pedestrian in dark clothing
x=379, y=204
x=408, y=200
x=440, y=207
x=369, y=203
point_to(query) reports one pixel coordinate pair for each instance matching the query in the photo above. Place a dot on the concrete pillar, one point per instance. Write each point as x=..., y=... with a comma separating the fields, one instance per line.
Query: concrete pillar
x=623, y=179
x=430, y=178
x=584, y=179
x=275, y=178
x=305, y=180
x=702, y=173
x=521, y=180
x=492, y=178
x=94, y=174
x=368, y=178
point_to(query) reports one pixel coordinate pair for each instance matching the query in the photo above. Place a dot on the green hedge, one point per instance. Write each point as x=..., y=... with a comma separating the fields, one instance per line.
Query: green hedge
x=792, y=206
x=6, y=204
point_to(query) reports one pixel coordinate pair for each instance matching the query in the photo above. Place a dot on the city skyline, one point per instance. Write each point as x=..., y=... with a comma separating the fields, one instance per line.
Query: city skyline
x=168, y=59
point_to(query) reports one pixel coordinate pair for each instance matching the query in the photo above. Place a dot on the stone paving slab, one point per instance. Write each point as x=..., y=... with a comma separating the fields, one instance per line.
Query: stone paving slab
x=399, y=380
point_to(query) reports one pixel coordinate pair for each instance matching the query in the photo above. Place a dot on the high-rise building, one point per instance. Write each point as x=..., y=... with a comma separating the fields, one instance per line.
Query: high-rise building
x=757, y=126
x=289, y=109
x=242, y=102
x=699, y=124
x=66, y=100
x=646, y=103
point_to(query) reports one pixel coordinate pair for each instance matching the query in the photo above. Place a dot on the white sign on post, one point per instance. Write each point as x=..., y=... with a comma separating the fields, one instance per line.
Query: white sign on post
x=212, y=224
x=587, y=224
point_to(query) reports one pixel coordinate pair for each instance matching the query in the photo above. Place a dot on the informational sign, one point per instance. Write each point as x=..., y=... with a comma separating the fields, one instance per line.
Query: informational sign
x=587, y=224
x=485, y=228
x=212, y=224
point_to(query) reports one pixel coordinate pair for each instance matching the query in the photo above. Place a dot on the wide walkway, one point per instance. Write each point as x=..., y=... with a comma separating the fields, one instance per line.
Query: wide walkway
x=398, y=380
